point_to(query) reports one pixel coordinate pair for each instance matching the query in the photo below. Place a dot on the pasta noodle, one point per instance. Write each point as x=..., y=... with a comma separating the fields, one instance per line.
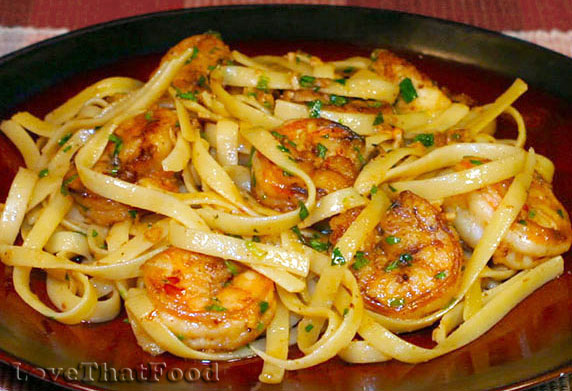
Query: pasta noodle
x=280, y=200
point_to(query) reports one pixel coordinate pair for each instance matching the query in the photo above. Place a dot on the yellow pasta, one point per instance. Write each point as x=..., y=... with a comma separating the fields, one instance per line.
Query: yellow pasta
x=239, y=205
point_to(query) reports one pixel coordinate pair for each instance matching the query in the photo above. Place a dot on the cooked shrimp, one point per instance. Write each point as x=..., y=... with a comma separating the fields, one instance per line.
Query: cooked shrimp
x=330, y=153
x=395, y=69
x=134, y=154
x=209, y=51
x=411, y=264
x=542, y=228
x=210, y=304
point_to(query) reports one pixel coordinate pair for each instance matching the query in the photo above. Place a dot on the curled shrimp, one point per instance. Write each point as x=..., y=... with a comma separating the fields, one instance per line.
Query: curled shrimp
x=209, y=51
x=330, y=153
x=426, y=94
x=209, y=303
x=542, y=228
x=411, y=263
x=134, y=154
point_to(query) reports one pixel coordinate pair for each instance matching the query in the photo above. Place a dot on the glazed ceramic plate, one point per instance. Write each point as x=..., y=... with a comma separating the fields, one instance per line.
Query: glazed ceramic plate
x=532, y=344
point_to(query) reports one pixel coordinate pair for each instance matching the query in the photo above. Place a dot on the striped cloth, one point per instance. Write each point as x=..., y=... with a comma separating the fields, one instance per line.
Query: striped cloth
x=546, y=23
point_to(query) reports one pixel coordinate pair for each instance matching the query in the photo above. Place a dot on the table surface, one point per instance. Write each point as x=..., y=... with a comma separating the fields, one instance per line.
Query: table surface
x=22, y=22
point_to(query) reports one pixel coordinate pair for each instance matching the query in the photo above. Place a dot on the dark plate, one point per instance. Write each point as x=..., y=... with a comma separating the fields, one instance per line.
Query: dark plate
x=531, y=345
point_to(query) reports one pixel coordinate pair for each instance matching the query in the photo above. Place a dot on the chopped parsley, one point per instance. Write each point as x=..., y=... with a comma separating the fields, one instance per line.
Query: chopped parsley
x=337, y=257
x=309, y=327
x=391, y=240
x=132, y=213
x=441, y=275
x=346, y=311
x=522, y=222
x=393, y=189
x=298, y=233
x=427, y=139
x=215, y=307
x=315, y=108
x=341, y=81
x=186, y=95
x=64, y=188
x=43, y=173
x=348, y=69
x=392, y=266
x=378, y=119
x=194, y=55
x=64, y=139
x=149, y=116
x=407, y=89
x=359, y=155
x=475, y=162
x=532, y=213
x=67, y=149
x=406, y=259
x=319, y=246
x=231, y=267
x=303, y=211
x=560, y=213
x=282, y=148
x=337, y=100
x=373, y=190
x=277, y=135
x=94, y=234
x=249, y=163
x=263, y=306
x=322, y=151
x=307, y=81
x=262, y=83
x=396, y=302
x=260, y=326
x=360, y=260
x=118, y=143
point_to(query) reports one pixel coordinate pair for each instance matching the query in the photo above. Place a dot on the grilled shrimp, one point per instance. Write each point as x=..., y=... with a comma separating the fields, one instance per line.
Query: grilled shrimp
x=210, y=304
x=134, y=154
x=542, y=228
x=209, y=51
x=330, y=153
x=396, y=70
x=411, y=263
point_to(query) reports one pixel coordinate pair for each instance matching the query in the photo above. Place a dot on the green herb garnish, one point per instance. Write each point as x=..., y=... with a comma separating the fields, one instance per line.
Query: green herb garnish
x=427, y=139
x=337, y=100
x=337, y=257
x=307, y=81
x=441, y=275
x=303, y=211
x=322, y=151
x=407, y=89
x=315, y=108
x=360, y=260
x=263, y=306
x=391, y=240
x=378, y=119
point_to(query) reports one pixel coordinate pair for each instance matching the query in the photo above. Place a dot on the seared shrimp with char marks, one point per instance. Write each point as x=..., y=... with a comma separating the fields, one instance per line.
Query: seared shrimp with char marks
x=542, y=228
x=396, y=70
x=330, y=153
x=209, y=303
x=411, y=263
x=208, y=52
x=134, y=154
